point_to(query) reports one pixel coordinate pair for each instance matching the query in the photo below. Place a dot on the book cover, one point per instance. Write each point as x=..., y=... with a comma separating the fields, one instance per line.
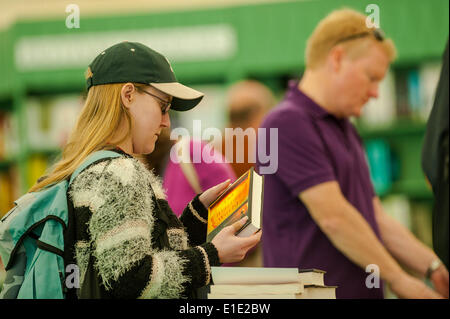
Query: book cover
x=242, y=198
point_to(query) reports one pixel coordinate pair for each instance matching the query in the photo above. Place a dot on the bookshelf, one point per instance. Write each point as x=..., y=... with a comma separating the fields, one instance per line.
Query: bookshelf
x=404, y=139
x=264, y=41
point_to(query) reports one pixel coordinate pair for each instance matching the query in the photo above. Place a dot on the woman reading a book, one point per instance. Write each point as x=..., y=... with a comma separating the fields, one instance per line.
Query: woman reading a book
x=126, y=240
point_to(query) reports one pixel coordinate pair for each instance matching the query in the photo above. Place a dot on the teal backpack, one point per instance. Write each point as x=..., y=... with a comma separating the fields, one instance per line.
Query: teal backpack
x=32, y=240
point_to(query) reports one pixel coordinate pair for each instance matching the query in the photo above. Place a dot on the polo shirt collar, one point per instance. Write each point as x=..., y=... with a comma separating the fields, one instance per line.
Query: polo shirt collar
x=296, y=95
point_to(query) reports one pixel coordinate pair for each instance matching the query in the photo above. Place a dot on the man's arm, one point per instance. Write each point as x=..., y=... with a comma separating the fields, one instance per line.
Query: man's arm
x=352, y=235
x=406, y=248
x=401, y=243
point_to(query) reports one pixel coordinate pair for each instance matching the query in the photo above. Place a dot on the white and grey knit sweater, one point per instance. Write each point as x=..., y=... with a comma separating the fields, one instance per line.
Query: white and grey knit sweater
x=120, y=211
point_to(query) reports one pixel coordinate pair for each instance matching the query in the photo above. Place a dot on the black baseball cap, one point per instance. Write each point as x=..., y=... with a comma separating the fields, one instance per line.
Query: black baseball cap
x=135, y=62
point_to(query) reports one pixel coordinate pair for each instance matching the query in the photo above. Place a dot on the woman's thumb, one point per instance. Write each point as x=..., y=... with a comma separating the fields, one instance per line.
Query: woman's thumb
x=223, y=185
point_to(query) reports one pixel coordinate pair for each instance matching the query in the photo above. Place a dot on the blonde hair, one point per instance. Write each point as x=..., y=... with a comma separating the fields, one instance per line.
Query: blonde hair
x=338, y=25
x=100, y=118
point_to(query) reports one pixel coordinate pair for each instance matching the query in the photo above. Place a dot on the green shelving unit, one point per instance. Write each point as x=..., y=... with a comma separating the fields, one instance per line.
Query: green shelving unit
x=405, y=139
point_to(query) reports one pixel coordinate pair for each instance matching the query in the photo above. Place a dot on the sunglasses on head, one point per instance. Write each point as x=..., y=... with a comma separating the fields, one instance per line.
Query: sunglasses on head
x=377, y=33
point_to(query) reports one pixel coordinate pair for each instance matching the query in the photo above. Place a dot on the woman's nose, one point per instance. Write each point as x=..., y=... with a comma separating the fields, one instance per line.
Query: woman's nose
x=165, y=122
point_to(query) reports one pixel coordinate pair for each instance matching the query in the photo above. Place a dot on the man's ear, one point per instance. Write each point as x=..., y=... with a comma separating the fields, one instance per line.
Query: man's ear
x=335, y=58
x=127, y=94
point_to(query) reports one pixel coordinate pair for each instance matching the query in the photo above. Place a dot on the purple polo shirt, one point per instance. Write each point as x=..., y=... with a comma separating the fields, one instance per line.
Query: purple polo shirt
x=306, y=158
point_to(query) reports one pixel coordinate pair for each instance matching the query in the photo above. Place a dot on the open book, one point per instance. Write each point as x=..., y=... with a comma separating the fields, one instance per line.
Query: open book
x=242, y=198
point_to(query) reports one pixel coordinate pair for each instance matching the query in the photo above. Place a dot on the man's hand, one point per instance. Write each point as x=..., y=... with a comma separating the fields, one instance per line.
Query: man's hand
x=408, y=287
x=439, y=278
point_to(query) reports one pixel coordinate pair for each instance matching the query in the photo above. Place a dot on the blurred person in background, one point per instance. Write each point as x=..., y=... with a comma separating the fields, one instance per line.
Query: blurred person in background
x=184, y=178
x=320, y=208
x=126, y=240
x=247, y=102
x=435, y=166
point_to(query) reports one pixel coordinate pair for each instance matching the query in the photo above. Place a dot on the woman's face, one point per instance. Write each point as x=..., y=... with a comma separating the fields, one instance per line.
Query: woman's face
x=149, y=115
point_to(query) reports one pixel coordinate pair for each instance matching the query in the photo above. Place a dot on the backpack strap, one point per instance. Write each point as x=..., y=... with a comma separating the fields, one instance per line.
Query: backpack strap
x=91, y=159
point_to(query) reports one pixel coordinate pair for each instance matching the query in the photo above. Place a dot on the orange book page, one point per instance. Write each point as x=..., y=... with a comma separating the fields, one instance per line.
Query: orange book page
x=224, y=207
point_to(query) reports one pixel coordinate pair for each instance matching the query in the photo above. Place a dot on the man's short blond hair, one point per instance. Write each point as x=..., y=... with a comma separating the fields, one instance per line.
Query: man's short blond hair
x=342, y=25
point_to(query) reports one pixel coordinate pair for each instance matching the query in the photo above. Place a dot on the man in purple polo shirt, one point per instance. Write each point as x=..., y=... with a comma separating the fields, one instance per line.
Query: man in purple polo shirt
x=320, y=208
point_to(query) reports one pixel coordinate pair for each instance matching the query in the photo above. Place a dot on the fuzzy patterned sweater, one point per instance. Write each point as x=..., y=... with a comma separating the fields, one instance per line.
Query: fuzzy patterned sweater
x=138, y=247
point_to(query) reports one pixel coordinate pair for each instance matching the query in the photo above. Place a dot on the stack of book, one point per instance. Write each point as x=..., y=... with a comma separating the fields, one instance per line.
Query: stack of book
x=269, y=283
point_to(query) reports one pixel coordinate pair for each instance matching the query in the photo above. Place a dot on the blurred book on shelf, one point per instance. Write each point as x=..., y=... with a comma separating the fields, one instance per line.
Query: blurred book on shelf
x=9, y=189
x=402, y=93
x=9, y=141
x=421, y=222
x=269, y=283
x=380, y=164
x=382, y=110
x=38, y=164
x=429, y=74
x=50, y=120
x=399, y=208
x=9, y=147
x=2, y=135
x=414, y=98
x=416, y=87
x=405, y=93
x=414, y=215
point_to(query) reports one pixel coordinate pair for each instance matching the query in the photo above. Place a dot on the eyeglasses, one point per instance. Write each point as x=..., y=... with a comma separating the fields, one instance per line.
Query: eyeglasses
x=377, y=33
x=165, y=105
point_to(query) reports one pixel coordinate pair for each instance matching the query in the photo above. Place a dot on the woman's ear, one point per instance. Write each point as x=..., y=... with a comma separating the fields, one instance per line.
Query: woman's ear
x=127, y=94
